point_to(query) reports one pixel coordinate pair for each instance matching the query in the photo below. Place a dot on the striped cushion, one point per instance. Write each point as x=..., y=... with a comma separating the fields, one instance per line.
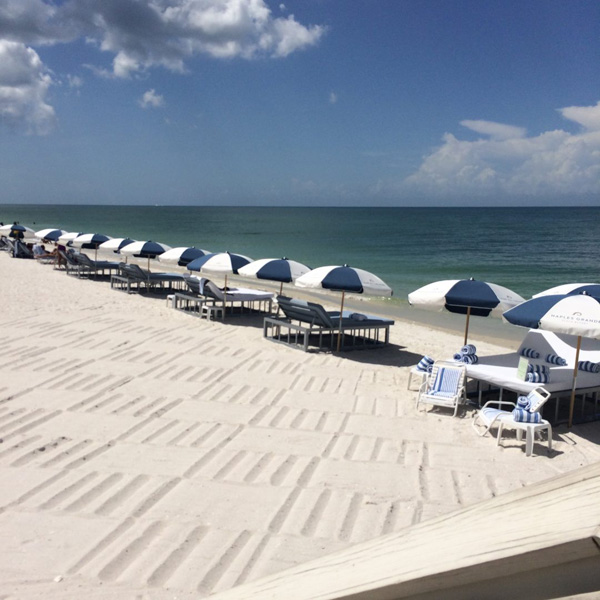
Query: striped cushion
x=589, y=366
x=554, y=359
x=446, y=383
x=530, y=353
x=524, y=416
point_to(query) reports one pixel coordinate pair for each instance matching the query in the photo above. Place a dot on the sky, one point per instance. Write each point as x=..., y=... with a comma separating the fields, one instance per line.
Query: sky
x=300, y=102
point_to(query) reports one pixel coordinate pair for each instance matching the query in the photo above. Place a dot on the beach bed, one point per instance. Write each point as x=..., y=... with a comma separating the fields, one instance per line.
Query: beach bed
x=309, y=324
x=134, y=279
x=499, y=371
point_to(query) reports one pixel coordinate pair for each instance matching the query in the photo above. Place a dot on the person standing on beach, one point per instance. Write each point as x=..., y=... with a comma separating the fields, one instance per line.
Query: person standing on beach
x=17, y=235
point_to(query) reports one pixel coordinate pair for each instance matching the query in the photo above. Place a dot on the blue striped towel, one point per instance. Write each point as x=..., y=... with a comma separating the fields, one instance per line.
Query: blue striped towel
x=554, y=359
x=425, y=364
x=589, y=366
x=541, y=369
x=530, y=353
x=537, y=378
x=446, y=383
x=468, y=349
x=467, y=359
x=523, y=402
x=524, y=416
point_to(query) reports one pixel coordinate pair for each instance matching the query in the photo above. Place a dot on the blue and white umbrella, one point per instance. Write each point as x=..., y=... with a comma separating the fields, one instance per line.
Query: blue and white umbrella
x=283, y=270
x=148, y=249
x=66, y=239
x=50, y=234
x=90, y=241
x=572, y=314
x=593, y=289
x=182, y=256
x=466, y=297
x=8, y=230
x=221, y=263
x=115, y=245
x=344, y=279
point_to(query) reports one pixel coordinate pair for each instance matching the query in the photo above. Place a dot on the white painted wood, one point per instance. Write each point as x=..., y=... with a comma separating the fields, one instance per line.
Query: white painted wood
x=538, y=542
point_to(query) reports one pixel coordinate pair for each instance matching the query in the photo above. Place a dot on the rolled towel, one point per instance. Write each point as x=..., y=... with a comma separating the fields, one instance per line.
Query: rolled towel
x=524, y=416
x=468, y=349
x=457, y=357
x=358, y=317
x=530, y=353
x=541, y=369
x=554, y=359
x=470, y=359
x=537, y=378
x=425, y=364
x=589, y=366
x=523, y=403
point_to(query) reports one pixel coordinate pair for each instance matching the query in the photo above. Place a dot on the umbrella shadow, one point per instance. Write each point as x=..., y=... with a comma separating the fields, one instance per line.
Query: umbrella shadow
x=391, y=355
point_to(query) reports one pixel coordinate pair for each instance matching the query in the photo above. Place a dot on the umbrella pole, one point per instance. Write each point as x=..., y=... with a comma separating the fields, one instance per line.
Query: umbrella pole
x=575, y=369
x=225, y=298
x=339, y=342
x=467, y=324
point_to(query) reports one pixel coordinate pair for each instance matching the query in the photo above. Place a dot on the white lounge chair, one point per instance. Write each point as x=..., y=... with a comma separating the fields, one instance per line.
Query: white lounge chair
x=445, y=386
x=491, y=415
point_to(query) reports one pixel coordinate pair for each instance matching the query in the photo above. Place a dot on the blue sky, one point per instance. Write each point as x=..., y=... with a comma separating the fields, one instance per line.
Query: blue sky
x=303, y=102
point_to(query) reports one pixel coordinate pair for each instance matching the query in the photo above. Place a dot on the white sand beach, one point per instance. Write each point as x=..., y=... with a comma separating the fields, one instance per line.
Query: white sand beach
x=148, y=454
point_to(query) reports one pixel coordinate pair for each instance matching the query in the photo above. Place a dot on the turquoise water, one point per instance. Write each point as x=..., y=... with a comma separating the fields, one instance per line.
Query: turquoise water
x=525, y=249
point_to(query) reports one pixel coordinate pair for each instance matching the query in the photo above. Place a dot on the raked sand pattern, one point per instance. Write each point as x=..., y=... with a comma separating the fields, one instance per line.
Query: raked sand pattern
x=148, y=454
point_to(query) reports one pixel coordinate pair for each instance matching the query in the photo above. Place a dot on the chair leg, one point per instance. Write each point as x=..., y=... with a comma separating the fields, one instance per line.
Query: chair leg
x=499, y=433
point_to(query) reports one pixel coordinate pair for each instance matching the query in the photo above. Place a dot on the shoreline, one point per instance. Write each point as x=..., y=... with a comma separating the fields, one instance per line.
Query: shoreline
x=147, y=453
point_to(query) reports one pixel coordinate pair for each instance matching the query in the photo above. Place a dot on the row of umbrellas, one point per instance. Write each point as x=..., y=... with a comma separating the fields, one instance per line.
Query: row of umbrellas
x=569, y=309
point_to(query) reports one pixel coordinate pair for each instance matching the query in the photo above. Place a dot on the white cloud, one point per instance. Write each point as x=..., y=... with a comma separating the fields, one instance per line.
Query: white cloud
x=507, y=161
x=148, y=33
x=333, y=98
x=24, y=83
x=151, y=99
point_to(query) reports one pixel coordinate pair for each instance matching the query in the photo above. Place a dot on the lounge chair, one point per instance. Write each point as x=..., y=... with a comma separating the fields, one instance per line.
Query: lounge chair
x=132, y=278
x=308, y=324
x=95, y=266
x=236, y=297
x=20, y=250
x=492, y=415
x=444, y=386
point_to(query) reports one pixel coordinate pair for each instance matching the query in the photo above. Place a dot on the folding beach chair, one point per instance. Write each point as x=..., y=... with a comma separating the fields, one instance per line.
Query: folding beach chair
x=445, y=386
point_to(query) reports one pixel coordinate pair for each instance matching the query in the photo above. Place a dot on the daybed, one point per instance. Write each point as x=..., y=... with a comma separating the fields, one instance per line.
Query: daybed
x=309, y=324
x=95, y=266
x=132, y=278
x=500, y=371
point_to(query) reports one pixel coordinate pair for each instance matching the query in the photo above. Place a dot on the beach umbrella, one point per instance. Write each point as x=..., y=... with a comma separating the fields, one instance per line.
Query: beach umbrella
x=222, y=263
x=593, y=289
x=182, y=256
x=50, y=234
x=148, y=249
x=465, y=297
x=66, y=239
x=344, y=279
x=90, y=241
x=283, y=270
x=7, y=230
x=572, y=314
x=114, y=245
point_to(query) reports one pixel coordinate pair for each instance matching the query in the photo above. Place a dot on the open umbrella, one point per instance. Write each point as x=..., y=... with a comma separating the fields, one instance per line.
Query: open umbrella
x=344, y=279
x=66, y=239
x=15, y=227
x=90, y=241
x=283, y=270
x=224, y=263
x=50, y=234
x=147, y=250
x=593, y=289
x=576, y=314
x=182, y=256
x=114, y=245
x=465, y=297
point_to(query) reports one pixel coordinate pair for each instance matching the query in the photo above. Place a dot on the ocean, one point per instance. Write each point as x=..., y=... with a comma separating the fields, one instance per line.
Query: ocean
x=525, y=249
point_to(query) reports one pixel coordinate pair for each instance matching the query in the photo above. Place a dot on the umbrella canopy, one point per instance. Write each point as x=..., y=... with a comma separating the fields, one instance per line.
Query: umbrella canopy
x=26, y=231
x=148, y=249
x=50, y=234
x=593, y=289
x=344, y=279
x=90, y=240
x=66, y=239
x=465, y=297
x=283, y=270
x=182, y=256
x=573, y=314
x=115, y=244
